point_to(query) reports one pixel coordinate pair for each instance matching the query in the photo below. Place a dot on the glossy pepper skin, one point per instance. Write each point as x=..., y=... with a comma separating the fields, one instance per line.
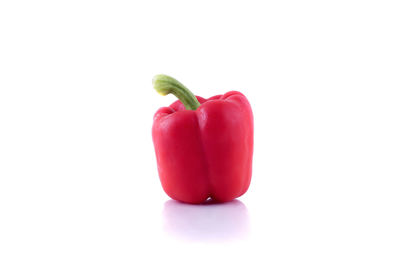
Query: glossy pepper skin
x=206, y=152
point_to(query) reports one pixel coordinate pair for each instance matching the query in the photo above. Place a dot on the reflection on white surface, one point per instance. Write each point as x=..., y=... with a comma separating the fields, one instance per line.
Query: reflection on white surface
x=215, y=222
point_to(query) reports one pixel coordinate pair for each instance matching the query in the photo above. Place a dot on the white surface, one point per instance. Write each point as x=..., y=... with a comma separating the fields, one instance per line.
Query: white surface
x=78, y=180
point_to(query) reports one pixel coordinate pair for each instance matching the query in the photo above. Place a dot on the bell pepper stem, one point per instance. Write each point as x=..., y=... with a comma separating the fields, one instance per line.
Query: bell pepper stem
x=165, y=85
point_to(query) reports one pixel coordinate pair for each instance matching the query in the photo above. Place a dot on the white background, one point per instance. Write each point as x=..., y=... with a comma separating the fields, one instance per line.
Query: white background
x=78, y=178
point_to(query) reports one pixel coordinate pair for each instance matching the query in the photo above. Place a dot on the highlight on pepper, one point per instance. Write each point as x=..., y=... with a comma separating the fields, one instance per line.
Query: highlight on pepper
x=204, y=147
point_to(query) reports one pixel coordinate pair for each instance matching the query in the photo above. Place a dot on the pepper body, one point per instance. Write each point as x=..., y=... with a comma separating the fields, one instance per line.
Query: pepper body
x=207, y=152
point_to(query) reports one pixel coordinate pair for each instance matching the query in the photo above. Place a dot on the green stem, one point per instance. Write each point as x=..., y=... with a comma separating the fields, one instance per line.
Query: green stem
x=165, y=85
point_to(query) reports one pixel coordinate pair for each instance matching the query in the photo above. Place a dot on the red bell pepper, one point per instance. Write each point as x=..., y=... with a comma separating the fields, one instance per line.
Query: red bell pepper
x=204, y=147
